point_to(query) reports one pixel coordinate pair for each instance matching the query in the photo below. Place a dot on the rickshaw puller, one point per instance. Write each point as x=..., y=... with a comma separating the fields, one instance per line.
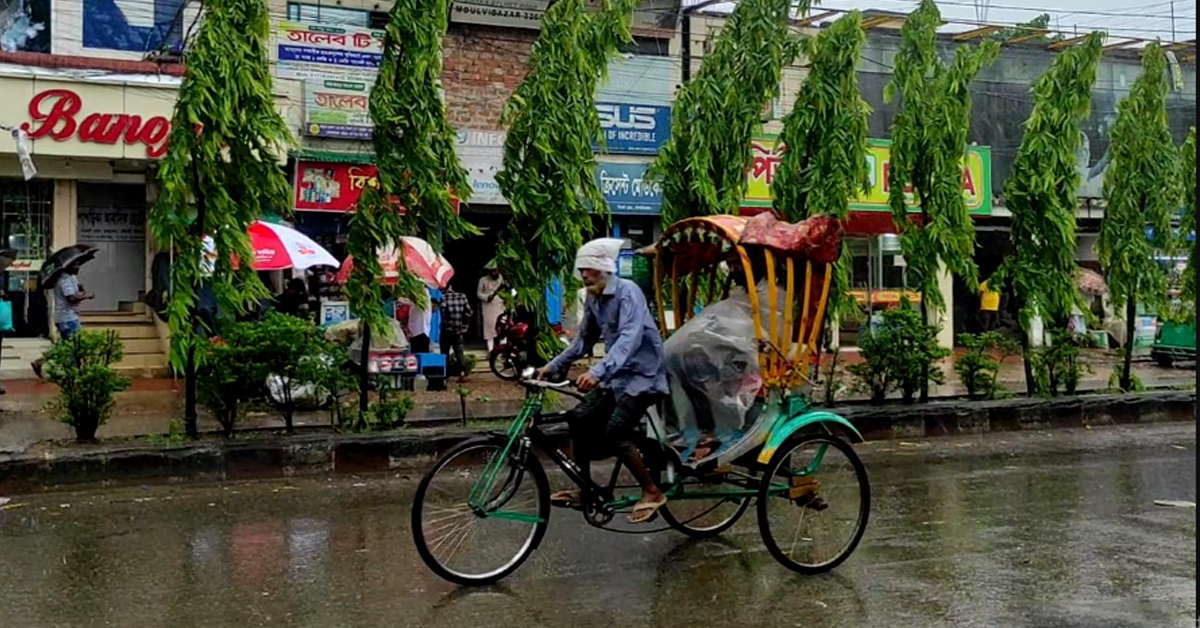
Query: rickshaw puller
x=625, y=384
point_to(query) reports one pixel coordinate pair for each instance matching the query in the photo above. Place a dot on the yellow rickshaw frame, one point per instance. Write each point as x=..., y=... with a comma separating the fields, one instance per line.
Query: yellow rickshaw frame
x=786, y=344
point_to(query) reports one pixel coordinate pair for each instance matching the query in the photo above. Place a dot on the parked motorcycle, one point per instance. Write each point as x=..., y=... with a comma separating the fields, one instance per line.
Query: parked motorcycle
x=510, y=353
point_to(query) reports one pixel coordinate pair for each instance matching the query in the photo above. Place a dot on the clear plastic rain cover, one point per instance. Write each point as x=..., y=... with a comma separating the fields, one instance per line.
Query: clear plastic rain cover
x=714, y=374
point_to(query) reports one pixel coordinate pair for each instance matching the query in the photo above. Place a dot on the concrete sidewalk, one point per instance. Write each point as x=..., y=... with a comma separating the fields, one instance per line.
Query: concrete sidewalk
x=27, y=418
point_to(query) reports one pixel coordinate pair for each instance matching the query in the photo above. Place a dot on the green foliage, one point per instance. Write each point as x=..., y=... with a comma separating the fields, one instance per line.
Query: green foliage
x=414, y=149
x=549, y=168
x=897, y=354
x=1042, y=188
x=929, y=146
x=1187, y=225
x=1025, y=29
x=703, y=166
x=81, y=366
x=1143, y=189
x=832, y=379
x=1135, y=382
x=176, y=434
x=825, y=164
x=220, y=172
x=240, y=364
x=386, y=413
x=977, y=368
x=1059, y=367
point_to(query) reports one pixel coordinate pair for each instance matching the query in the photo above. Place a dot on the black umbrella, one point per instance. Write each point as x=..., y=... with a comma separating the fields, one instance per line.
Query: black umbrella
x=76, y=254
x=7, y=257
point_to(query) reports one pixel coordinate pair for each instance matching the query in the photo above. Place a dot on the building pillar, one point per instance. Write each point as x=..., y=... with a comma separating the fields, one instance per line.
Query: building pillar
x=944, y=320
x=65, y=219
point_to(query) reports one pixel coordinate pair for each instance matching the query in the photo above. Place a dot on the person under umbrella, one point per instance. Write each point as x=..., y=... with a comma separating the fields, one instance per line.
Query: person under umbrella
x=61, y=276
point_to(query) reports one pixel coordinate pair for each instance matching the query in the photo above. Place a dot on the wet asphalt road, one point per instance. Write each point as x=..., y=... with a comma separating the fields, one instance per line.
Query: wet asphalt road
x=1033, y=530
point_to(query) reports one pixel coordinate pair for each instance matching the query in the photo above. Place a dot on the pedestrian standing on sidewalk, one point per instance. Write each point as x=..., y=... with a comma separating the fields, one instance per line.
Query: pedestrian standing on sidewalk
x=490, y=304
x=68, y=294
x=456, y=318
x=989, y=308
x=418, y=325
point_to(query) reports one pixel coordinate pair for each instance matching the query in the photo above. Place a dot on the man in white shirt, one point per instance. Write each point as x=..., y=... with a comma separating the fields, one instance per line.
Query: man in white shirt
x=419, y=324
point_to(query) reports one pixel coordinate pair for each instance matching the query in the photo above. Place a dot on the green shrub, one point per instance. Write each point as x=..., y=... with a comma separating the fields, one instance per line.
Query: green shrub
x=81, y=366
x=270, y=360
x=387, y=413
x=897, y=355
x=977, y=369
x=1059, y=367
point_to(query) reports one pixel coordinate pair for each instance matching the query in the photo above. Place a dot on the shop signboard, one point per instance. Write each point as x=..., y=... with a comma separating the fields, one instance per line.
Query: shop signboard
x=69, y=118
x=482, y=155
x=633, y=129
x=525, y=14
x=768, y=153
x=112, y=224
x=627, y=188
x=335, y=187
x=338, y=109
x=322, y=51
x=334, y=312
x=332, y=187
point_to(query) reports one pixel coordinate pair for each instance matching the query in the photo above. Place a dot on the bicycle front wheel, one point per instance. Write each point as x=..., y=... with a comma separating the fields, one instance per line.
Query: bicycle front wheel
x=814, y=503
x=480, y=512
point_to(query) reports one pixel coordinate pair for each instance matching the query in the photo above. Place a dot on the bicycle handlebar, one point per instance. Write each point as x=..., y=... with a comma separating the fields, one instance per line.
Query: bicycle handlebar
x=531, y=382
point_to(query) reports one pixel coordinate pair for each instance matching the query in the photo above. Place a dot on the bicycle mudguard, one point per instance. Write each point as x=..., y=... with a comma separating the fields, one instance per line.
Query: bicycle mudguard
x=780, y=434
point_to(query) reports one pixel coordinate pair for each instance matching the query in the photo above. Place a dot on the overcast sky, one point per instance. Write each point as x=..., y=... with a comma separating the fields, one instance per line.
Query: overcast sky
x=1149, y=20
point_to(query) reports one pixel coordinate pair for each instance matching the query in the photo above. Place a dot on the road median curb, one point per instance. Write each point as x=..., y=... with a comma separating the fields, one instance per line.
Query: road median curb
x=416, y=448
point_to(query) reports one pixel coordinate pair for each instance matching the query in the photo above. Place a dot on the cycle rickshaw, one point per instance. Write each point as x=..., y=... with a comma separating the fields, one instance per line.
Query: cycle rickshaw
x=484, y=507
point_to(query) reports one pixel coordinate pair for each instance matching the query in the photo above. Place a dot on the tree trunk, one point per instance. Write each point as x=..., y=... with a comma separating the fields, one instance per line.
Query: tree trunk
x=925, y=366
x=1030, y=382
x=189, y=396
x=1130, y=324
x=364, y=373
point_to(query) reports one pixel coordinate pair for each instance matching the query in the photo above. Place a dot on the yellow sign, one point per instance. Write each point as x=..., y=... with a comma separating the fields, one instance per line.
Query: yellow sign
x=768, y=153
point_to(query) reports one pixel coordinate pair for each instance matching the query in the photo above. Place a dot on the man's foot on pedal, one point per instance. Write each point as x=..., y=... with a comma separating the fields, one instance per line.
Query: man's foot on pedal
x=567, y=499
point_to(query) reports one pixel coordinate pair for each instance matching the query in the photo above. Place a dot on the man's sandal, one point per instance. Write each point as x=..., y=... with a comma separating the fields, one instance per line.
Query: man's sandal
x=645, y=512
x=567, y=499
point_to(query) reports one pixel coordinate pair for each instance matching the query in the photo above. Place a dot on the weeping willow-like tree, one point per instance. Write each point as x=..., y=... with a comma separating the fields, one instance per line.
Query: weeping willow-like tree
x=703, y=166
x=1187, y=225
x=1042, y=193
x=1143, y=189
x=824, y=164
x=220, y=172
x=549, y=168
x=418, y=167
x=929, y=146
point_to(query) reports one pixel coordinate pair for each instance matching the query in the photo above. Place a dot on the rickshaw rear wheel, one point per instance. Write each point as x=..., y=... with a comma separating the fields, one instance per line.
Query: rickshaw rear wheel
x=705, y=519
x=825, y=479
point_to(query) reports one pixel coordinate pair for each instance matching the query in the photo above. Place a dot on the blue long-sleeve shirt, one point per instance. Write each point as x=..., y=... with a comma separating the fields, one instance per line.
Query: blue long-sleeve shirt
x=634, y=360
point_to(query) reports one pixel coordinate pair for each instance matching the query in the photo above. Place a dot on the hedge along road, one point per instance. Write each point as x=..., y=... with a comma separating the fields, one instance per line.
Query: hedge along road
x=1056, y=528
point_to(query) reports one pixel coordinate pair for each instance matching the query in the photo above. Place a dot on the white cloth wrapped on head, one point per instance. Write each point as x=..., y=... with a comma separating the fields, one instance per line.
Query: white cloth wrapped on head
x=600, y=254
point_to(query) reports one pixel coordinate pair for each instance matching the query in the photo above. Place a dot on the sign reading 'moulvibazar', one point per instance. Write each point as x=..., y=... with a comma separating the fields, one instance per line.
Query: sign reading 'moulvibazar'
x=977, y=177
x=314, y=51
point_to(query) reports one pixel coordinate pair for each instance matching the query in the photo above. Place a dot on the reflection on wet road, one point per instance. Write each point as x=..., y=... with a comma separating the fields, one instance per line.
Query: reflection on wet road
x=1036, y=530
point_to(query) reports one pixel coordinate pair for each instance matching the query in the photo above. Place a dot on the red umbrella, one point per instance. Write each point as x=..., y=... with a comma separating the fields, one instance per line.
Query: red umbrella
x=419, y=258
x=1090, y=282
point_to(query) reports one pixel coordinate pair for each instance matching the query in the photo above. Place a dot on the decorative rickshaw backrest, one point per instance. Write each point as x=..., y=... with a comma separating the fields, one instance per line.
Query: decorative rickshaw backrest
x=796, y=257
